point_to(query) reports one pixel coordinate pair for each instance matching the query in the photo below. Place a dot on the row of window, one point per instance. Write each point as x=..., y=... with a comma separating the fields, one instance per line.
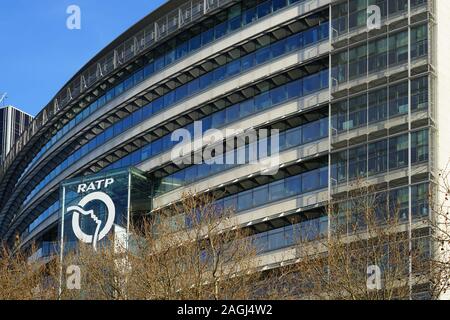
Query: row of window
x=271, y=51
x=294, y=137
x=225, y=22
x=352, y=14
x=394, y=203
x=291, y=235
x=397, y=200
x=381, y=156
x=43, y=216
x=379, y=54
x=263, y=101
x=306, y=182
x=291, y=90
x=181, y=51
x=240, y=65
x=380, y=105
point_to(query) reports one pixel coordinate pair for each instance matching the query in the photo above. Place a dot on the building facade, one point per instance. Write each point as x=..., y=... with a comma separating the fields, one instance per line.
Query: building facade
x=13, y=122
x=350, y=102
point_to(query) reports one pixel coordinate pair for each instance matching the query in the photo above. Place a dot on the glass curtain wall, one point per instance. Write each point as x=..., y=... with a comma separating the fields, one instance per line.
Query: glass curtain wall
x=379, y=54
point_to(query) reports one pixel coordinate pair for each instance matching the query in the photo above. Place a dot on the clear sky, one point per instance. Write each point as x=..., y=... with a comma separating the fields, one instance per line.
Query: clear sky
x=39, y=54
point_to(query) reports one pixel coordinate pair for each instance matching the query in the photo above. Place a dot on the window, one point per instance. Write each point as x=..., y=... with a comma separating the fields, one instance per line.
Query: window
x=207, y=36
x=398, y=152
x=277, y=191
x=264, y=9
x=398, y=48
x=278, y=4
x=205, y=80
x=262, y=101
x=339, y=116
x=294, y=42
x=310, y=181
x=420, y=205
x=182, y=50
x=276, y=239
x=357, y=62
x=278, y=95
x=232, y=113
x=195, y=42
x=262, y=55
x=293, y=186
x=249, y=16
x=419, y=43
x=357, y=111
x=311, y=84
x=170, y=57
x=310, y=36
x=261, y=196
x=357, y=162
x=247, y=108
x=377, y=157
x=419, y=94
x=245, y=201
x=221, y=30
x=248, y=61
x=293, y=137
x=339, y=166
x=399, y=203
x=219, y=74
x=294, y=89
x=233, y=68
x=357, y=13
x=398, y=99
x=419, y=146
x=339, y=67
x=278, y=48
x=378, y=55
x=377, y=106
x=149, y=70
x=311, y=132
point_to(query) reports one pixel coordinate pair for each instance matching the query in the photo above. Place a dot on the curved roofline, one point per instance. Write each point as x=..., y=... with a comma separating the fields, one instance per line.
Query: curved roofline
x=162, y=10
x=184, y=12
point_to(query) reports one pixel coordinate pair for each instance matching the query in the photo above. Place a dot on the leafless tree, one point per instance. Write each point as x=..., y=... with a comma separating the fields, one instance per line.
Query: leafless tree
x=368, y=253
x=22, y=278
x=192, y=250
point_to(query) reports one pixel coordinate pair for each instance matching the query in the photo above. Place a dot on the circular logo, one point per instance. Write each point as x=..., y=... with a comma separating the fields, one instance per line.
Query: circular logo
x=79, y=210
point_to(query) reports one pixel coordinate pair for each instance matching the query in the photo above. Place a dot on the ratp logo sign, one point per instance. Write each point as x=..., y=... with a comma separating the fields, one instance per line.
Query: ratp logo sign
x=78, y=211
x=91, y=211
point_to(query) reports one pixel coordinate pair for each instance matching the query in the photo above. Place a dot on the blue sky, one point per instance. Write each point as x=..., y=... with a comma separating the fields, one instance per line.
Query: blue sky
x=38, y=54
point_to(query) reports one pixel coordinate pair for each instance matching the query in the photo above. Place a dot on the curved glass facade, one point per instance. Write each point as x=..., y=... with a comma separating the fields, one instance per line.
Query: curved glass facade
x=349, y=105
x=235, y=21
